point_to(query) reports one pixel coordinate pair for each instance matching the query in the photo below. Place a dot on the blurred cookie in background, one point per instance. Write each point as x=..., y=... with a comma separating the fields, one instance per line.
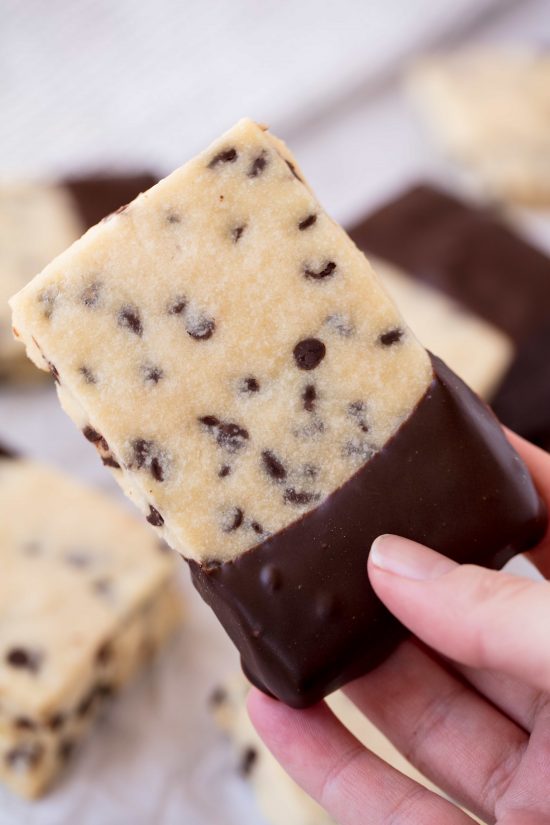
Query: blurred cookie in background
x=37, y=222
x=87, y=596
x=496, y=333
x=490, y=110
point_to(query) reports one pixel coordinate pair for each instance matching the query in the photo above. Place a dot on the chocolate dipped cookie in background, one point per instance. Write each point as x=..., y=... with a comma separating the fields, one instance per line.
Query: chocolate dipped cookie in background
x=241, y=370
x=493, y=278
x=40, y=220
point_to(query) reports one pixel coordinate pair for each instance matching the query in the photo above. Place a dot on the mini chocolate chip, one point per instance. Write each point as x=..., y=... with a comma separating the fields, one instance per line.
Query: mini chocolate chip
x=217, y=697
x=209, y=420
x=310, y=430
x=248, y=759
x=103, y=587
x=171, y=217
x=152, y=374
x=109, y=461
x=53, y=370
x=309, y=353
x=392, y=336
x=177, y=307
x=250, y=384
x=310, y=471
x=104, y=653
x=293, y=496
x=25, y=756
x=232, y=520
x=90, y=294
x=86, y=703
x=357, y=409
x=307, y=222
x=229, y=436
x=236, y=233
x=257, y=166
x=105, y=690
x=273, y=466
x=154, y=517
x=24, y=723
x=129, y=318
x=201, y=329
x=226, y=156
x=271, y=578
x=318, y=275
x=47, y=298
x=257, y=527
x=24, y=659
x=293, y=170
x=66, y=749
x=92, y=435
x=225, y=470
x=78, y=558
x=87, y=374
x=56, y=721
x=146, y=455
x=308, y=397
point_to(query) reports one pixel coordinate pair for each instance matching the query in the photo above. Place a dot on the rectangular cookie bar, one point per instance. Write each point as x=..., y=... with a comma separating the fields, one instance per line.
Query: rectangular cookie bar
x=470, y=256
x=240, y=368
x=87, y=595
x=40, y=220
x=491, y=111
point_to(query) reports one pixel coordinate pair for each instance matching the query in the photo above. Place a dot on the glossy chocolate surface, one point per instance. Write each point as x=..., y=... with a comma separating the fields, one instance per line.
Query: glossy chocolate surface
x=299, y=605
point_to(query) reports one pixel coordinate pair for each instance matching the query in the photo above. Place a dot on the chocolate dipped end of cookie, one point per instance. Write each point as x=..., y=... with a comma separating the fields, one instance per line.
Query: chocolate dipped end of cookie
x=299, y=606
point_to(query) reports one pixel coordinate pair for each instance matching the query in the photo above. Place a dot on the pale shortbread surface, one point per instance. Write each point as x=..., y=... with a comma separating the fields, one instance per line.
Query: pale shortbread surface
x=37, y=222
x=491, y=110
x=86, y=595
x=226, y=345
x=473, y=348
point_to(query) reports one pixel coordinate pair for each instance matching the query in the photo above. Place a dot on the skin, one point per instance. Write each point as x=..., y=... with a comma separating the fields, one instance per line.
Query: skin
x=466, y=700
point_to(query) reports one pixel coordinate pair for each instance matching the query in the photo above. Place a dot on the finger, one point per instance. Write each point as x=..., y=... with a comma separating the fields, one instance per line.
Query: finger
x=434, y=718
x=352, y=784
x=538, y=462
x=478, y=617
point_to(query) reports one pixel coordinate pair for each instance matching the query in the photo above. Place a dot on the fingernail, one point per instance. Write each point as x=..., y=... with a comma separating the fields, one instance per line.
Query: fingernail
x=408, y=559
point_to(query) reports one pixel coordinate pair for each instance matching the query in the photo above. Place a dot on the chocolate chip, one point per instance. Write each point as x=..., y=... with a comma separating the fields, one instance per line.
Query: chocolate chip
x=104, y=653
x=236, y=233
x=201, y=329
x=293, y=496
x=257, y=166
x=129, y=318
x=65, y=750
x=109, y=461
x=309, y=353
x=171, y=217
x=53, y=371
x=232, y=520
x=250, y=384
x=56, y=721
x=154, y=517
x=227, y=156
x=152, y=374
x=310, y=471
x=293, y=170
x=177, y=307
x=90, y=294
x=318, y=275
x=225, y=470
x=25, y=756
x=47, y=298
x=271, y=578
x=87, y=374
x=24, y=659
x=257, y=527
x=78, y=558
x=248, y=759
x=103, y=587
x=24, y=723
x=96, y=438
x=146, y=455
x=357, y=410
x=392, y=336
x=308, y=397
x=217, y=697
x=273, y=466
x=229, y=436
x=307, y=222
x=310, y=430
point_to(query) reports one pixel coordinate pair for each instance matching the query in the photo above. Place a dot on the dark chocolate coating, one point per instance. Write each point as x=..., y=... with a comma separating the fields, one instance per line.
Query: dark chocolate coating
x=97, y=195
x=469, y=254
x=299, y=606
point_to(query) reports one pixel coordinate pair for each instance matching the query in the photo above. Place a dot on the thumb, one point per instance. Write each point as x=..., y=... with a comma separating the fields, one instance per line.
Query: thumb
x=475, y=616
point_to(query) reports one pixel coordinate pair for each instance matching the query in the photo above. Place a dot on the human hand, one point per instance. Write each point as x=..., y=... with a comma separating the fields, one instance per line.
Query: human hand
x=467, y=701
